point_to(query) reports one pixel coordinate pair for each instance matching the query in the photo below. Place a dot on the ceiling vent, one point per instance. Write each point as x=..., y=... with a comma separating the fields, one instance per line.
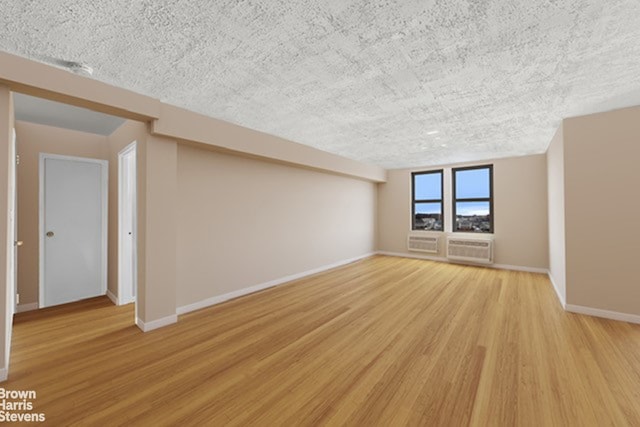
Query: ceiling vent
x=73, y=66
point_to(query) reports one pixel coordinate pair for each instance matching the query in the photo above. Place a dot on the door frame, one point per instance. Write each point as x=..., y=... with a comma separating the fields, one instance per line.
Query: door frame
x=129, y=297
x=16, y=242
x=104, y=164
x=10, y=306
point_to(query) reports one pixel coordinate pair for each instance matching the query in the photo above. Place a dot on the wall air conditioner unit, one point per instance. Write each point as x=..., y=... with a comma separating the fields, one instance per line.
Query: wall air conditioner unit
x=420, y=242
x=474, y=250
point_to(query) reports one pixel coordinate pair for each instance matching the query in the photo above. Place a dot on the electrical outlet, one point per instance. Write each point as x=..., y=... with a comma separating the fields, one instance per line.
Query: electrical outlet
x=17, y=299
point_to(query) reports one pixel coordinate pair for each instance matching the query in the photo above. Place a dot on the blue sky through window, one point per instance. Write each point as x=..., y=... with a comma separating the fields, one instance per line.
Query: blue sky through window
x=428, y=208
x=428, y=186
x=472, y=183
x=472, y=208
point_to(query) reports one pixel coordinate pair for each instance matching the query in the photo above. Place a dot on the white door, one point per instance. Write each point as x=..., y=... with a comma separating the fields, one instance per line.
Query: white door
x=73, y=227
x=13, y=224
x=11, y=247
x=127, y=225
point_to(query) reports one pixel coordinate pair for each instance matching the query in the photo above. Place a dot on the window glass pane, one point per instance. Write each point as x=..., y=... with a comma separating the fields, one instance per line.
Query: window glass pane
x=473, y=216
x=472, y=183
x=428, y=216
x=428, y=186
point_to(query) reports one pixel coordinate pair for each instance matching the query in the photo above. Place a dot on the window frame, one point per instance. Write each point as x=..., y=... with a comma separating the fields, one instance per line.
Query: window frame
x=414, y=201
x=455, y=200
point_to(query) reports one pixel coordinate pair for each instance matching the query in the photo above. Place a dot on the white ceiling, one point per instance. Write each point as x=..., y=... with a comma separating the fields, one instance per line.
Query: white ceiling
x=371, y=80
x=45, y=112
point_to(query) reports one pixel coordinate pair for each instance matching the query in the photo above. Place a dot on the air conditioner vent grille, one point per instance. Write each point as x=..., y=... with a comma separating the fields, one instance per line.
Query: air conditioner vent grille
x=470, y=243
x=422, y=243
x=474, y=250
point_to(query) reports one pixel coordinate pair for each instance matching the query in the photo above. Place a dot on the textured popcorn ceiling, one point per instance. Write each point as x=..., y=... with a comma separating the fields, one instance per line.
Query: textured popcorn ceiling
x=371, y=80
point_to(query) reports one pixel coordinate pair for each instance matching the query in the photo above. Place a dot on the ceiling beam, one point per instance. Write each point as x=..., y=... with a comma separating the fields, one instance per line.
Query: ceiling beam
x=48, y=82
x=186, y=125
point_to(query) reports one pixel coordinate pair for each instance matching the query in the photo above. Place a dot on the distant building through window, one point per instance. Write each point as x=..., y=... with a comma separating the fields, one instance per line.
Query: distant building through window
x=473, y=199
x=426, y=190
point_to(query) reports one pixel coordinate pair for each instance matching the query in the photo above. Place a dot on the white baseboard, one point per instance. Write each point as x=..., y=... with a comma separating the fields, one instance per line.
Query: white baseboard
x=112, y=297
x=416, y=256
x=519, y=268
x=245, y=291
x=606, y=314
x=563, y=303
x=27, y=307
x=442, y=259
x=117, y=301
x=155, y=324
x=4, y=374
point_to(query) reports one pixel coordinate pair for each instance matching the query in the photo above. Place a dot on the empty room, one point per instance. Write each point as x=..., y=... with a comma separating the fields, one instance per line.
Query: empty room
x=235, y=213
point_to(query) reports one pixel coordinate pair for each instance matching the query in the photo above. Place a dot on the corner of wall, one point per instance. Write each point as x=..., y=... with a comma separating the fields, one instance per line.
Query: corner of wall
x=156, y=324
x=557, y=289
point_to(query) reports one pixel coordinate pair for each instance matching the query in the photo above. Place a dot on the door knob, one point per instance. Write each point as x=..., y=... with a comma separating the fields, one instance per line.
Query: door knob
x=49, y=233
x=19, y=243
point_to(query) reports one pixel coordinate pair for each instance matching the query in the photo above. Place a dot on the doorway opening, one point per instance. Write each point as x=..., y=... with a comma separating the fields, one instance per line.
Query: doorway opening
x=49, y=127
x=79, y=147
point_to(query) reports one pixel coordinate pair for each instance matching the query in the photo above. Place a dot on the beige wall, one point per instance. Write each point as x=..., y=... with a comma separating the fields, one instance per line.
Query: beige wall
x=243, y=222
x=33, y=139
x=520, y=205
x=556, y=213
x=129, y=132
x=157, y=204
x=602, y=205
x=298, y=196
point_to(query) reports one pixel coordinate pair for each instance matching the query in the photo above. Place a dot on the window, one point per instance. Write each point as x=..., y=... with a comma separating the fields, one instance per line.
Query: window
x=426, y=188
x=473, y=199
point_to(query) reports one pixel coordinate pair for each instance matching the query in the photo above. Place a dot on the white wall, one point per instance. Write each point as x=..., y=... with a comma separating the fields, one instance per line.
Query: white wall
x=243, y=222
x=520, y=211
x=556, y=213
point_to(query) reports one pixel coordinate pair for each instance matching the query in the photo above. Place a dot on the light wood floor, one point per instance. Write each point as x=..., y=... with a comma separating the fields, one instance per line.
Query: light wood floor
x=385, y=341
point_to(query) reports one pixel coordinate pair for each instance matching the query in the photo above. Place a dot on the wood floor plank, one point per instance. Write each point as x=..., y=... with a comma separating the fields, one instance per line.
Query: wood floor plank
x=384, y=341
